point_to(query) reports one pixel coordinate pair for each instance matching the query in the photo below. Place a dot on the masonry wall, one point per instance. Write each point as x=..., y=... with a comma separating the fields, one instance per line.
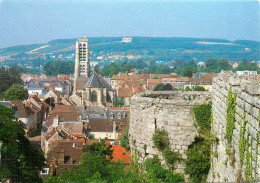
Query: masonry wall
x=224, y=167
x=169, y=110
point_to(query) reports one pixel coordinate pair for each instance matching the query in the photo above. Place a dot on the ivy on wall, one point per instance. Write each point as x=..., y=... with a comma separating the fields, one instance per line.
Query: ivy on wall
x=231, y=110
x=162, y=143
x=198, y=153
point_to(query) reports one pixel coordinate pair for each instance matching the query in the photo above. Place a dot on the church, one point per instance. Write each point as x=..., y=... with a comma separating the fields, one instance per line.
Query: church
x=89, y=87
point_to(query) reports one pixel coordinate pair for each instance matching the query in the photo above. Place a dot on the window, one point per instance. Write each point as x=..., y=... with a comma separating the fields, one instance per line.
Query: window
x=201, y=82
x=45, y=171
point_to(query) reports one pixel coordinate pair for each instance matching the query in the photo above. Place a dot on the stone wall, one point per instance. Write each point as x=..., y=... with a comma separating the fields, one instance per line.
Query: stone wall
x=224, y=167
x=169, y=110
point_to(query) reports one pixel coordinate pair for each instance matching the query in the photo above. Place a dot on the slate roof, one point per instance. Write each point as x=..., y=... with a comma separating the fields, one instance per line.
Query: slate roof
x=100, y=125
x=80, y=83
x=36, y=85
x=96, y=81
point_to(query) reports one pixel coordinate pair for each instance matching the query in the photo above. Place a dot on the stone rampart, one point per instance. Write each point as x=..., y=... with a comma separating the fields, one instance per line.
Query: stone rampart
x=225, y=164
x=169, y=110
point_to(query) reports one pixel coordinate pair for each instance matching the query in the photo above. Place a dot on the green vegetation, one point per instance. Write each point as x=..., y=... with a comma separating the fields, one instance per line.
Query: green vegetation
x=16, y=92
x=59, y=67
x=199, y=88
x=8, y=77
x=162, y=143
x=231, y=110
x=20, y=161
x=198, y=162
x=202, y=114
x=163, y=87
x=124, y=141
x=198, y=153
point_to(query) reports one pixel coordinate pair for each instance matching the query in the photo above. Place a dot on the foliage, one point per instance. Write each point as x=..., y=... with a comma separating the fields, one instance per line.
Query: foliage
x=202, y=114
x=231, y=110
x=198, y=161
x=20, y=161
x=156, y=173
x=188, y=71
x=242, y=140
x=163, y=87
x=199, y=88
x=8, y=77
x=16, y=92
x=59, y=67
x=161, y=141
x=124, y=141
x=223, y=65
x=211, y=65
x=198, y=153
x=119, y=101
x=91, y=136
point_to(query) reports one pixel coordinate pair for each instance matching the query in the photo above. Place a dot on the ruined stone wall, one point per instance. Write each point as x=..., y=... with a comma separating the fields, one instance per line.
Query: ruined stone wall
x=169, y=110
x=224, y=167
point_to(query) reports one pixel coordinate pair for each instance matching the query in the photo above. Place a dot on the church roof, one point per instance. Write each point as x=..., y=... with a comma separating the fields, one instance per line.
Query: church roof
x=96, y=81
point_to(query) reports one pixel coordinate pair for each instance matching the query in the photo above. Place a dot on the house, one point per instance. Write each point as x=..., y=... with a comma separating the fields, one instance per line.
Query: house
x=176, y=82
x=152, y=83
x=36, y=88
x=106, y=128
x=53, y=94
x=246, y=73
x=234, y=64
x=63, y=154
x=118, y=112
x=201, y=79
x=91, y=111
x=201, y=64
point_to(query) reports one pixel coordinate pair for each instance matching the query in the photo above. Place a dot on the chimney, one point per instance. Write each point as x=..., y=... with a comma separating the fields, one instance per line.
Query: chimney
x=114, y=129
x=55, y=121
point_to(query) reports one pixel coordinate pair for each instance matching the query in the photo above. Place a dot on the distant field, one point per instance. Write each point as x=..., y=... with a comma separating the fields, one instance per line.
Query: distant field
x=215, y=43
x=33, y=51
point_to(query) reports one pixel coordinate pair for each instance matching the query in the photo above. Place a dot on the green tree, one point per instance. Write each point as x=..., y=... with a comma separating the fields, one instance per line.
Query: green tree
x=211, y=65
x=199, y=88
x=223, y=65
x=59, y=67
x=16, y=92
x=124, y=141
x=20, y=161
x=8, y=77
x=188, y=71
x=96, y=68
x=163, y=87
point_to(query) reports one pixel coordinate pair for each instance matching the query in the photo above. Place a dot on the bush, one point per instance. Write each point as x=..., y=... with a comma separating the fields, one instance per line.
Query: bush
x=199, y=88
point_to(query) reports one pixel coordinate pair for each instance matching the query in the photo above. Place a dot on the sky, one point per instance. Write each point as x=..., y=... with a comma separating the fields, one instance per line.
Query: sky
x=39, y=21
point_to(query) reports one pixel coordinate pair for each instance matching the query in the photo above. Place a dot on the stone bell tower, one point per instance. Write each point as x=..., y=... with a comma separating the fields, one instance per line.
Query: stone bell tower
x=82, y=65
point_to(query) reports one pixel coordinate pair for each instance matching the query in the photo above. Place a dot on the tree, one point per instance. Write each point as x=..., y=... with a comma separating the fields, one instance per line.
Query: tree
x=188, y=71
x=16, y=92
x=58, y=67
x=223, y=65
x=8, y=77
x=198, y=88
x=96, y=68
x=124, y=141
x=20, y=161
x=211, y=65
x=163, y=87
x=191, y=62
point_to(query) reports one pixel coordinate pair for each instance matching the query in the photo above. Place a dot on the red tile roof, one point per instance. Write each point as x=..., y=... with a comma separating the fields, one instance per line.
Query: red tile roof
x=120, y=153
x=154, y=81
x=125, y=92
x=118, y=109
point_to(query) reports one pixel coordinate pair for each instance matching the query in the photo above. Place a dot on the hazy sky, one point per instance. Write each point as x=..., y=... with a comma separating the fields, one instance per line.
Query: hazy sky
x=38, y=21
